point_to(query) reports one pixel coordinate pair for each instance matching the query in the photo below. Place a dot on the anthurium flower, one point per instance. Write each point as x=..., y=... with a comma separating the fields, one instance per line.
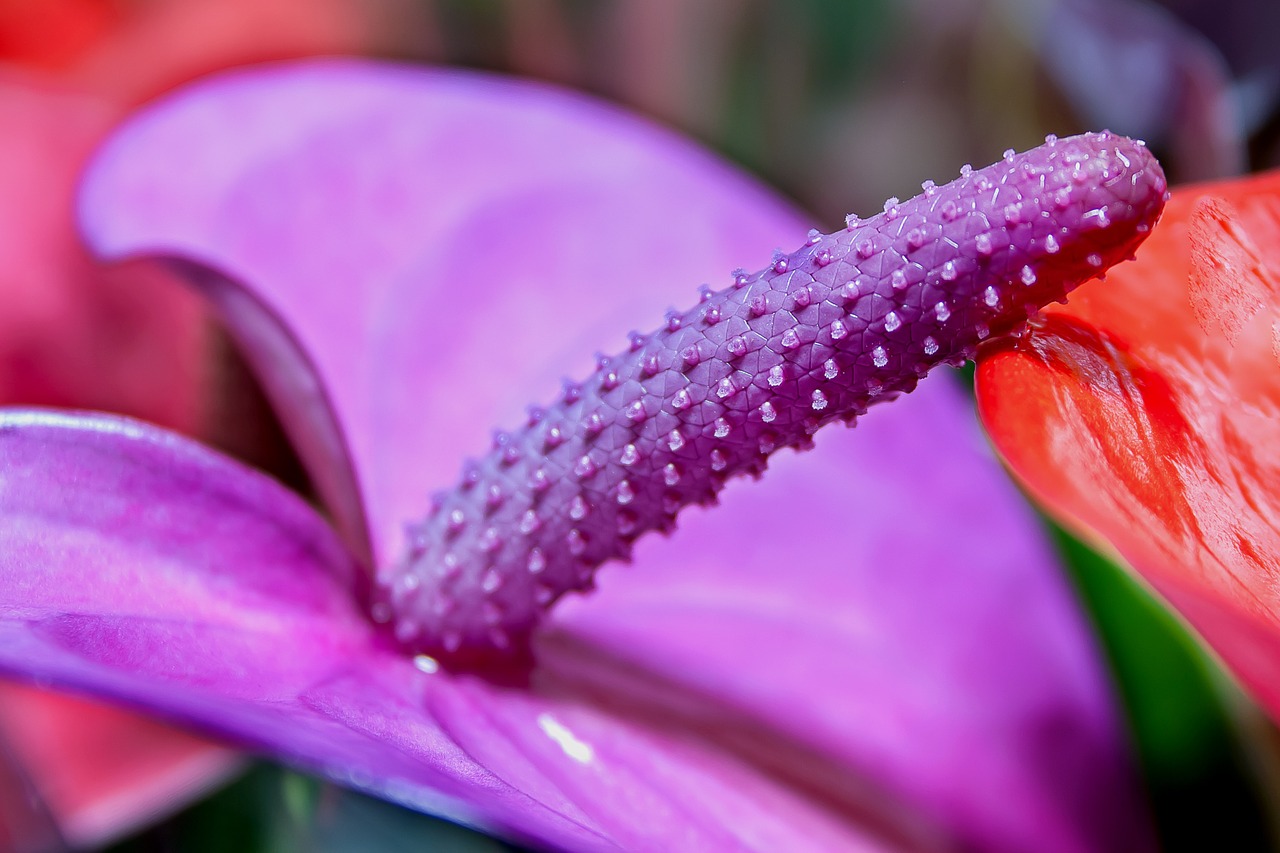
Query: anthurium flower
x=869, y=648
x=1145, y=414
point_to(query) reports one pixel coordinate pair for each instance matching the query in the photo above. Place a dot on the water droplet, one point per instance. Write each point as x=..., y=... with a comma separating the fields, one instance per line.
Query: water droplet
x=585, y=468
x=578, y=508
x=830, y=369
x=991, y=296
x=722, y=427
x=942, y=312
x=983, y=243
x=529, y=522
x=675, y=440
x=718, y=460
x=470, y=476
x=1028, y=276
x=576, y=542
x=790, y=340
x=737, y=346
x=891, y=322
x=491, y=581
x=537, y=562
x=949, y=271
x=630, y=455
x=818, y=400
x=671, y=474
x=726, y=388
x=457, y=521
x=879, y=357
x=776, y=375
x=626, y=494
x=838, y=330
x=426, y=664
x=930, y=346
x=1051, y=245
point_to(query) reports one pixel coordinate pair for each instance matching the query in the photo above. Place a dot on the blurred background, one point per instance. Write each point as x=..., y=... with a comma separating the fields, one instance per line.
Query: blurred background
x=839, y=104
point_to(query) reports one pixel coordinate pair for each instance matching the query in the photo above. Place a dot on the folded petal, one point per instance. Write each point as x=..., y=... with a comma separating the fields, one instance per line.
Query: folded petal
x=410, y=257
x=1148, y=413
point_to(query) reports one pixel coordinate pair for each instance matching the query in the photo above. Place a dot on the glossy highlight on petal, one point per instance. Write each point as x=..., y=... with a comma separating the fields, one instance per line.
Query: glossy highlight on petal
x=849, y=320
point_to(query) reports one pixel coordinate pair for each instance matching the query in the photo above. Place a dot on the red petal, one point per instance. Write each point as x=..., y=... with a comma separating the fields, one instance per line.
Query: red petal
x=1148, y=413
x=101, y=770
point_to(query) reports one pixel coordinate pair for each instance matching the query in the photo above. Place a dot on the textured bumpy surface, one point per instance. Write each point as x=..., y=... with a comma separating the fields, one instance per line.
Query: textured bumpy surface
x=847, y=320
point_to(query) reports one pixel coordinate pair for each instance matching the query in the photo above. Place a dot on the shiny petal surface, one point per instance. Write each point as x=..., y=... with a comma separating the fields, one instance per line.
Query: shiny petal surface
x=832, y=657
x=1148, y=413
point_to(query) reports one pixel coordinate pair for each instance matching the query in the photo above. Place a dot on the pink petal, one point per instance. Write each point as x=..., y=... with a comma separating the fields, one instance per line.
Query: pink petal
x=874, y=636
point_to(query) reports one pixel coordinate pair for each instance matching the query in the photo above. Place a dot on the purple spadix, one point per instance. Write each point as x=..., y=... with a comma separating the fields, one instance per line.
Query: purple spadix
x=847, y=320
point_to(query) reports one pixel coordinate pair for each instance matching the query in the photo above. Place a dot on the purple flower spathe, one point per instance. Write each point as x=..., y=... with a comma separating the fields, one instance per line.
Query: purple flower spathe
x=868, y=648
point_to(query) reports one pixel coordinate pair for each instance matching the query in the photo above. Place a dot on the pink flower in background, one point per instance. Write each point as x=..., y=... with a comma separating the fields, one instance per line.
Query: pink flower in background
x=870, y=648
x=125, y=340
